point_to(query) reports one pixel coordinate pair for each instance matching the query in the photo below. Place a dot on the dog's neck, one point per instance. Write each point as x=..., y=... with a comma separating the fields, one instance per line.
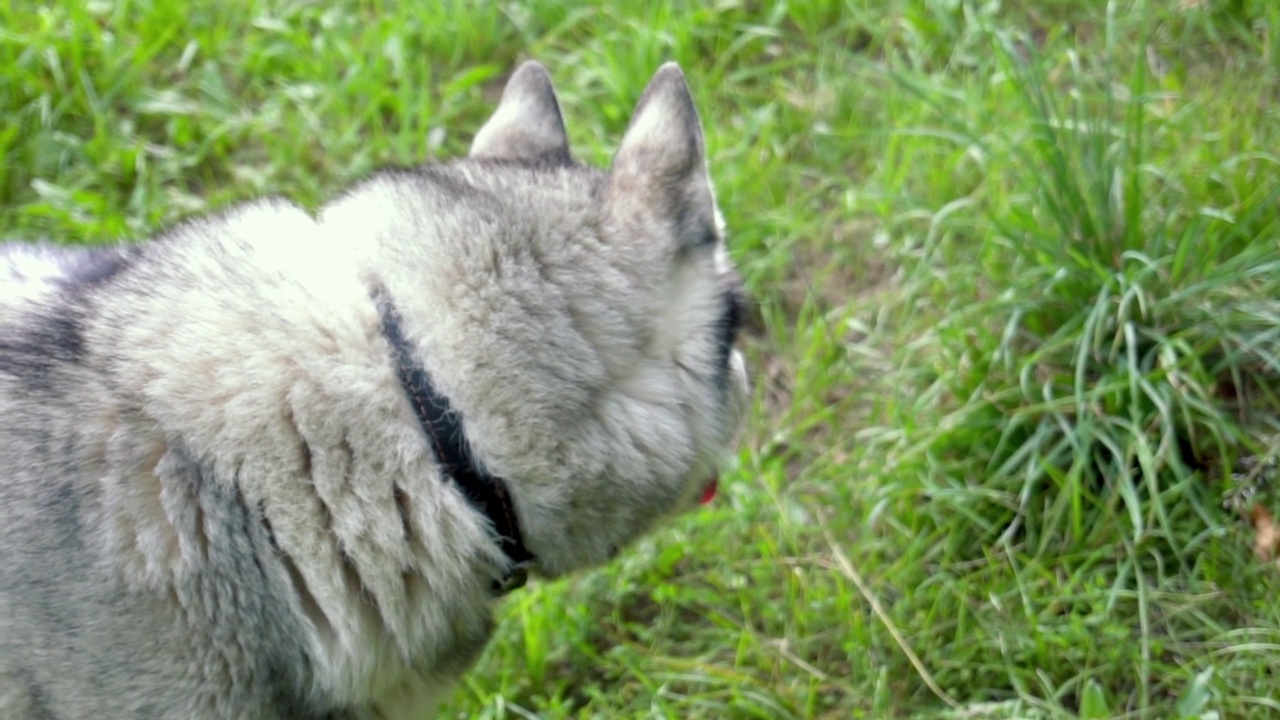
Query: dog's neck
x=442, y=427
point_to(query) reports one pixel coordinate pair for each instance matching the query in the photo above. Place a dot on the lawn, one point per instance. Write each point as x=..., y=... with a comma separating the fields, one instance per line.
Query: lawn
x=1016, y=354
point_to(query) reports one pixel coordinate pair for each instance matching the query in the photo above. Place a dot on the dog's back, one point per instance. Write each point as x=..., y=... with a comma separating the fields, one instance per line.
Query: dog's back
x=91, y=492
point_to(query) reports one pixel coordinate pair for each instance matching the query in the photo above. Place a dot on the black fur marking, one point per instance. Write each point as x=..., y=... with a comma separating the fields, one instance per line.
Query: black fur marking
x=80, y=266
x=63, y=507
x=39, y=699
x=266, y=525
x=696, y=229
x=240, y=585
x=41, y=342
x=692, y=221
x=726, y=328
x=63, y=337
x=89, y=267
x=47, y=342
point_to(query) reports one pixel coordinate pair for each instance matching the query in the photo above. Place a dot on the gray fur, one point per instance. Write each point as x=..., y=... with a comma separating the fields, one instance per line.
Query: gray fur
x=527, y=123
x=215, y=500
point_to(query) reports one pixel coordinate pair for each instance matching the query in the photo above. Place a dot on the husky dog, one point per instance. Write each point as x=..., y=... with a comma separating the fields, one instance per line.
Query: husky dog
x=277, y=465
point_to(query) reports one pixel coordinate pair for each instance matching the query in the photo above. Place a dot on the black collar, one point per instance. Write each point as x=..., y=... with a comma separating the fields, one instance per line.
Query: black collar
x=443, y=427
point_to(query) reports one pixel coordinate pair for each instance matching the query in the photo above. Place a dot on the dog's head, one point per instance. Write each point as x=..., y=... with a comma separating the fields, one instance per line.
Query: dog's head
x=583, y=321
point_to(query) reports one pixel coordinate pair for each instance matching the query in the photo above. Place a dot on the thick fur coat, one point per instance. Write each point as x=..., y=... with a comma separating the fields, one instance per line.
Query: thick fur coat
x=215, y=499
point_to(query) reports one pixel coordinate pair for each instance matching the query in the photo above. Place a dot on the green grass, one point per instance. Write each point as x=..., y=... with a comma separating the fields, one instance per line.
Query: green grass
x=1019, y=277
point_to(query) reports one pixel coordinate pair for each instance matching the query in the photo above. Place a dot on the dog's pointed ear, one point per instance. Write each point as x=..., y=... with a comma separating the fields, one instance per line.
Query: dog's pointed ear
x=662, y=162
x=527, y=124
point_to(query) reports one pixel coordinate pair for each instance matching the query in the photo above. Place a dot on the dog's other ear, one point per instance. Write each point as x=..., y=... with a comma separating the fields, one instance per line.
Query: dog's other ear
x=662, y=163
x=527, y=124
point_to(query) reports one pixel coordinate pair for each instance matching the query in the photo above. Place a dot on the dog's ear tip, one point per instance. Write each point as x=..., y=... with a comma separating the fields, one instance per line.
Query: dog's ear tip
x=668, y=71
x=530, y=70
x=527, y=123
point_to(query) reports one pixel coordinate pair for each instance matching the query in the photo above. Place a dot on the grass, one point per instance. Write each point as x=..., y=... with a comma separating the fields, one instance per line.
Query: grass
x=1019, y=287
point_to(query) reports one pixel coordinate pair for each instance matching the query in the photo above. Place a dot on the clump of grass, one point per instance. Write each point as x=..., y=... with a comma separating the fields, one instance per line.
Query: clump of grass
x=1119, y=351
x=1124, y=310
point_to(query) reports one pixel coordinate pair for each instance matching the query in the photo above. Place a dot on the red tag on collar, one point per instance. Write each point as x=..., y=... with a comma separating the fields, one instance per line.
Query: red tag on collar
x=709, y=493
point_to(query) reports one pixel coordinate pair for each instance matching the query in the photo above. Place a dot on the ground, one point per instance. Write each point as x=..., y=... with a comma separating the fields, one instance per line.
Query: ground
x=1015, y=347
